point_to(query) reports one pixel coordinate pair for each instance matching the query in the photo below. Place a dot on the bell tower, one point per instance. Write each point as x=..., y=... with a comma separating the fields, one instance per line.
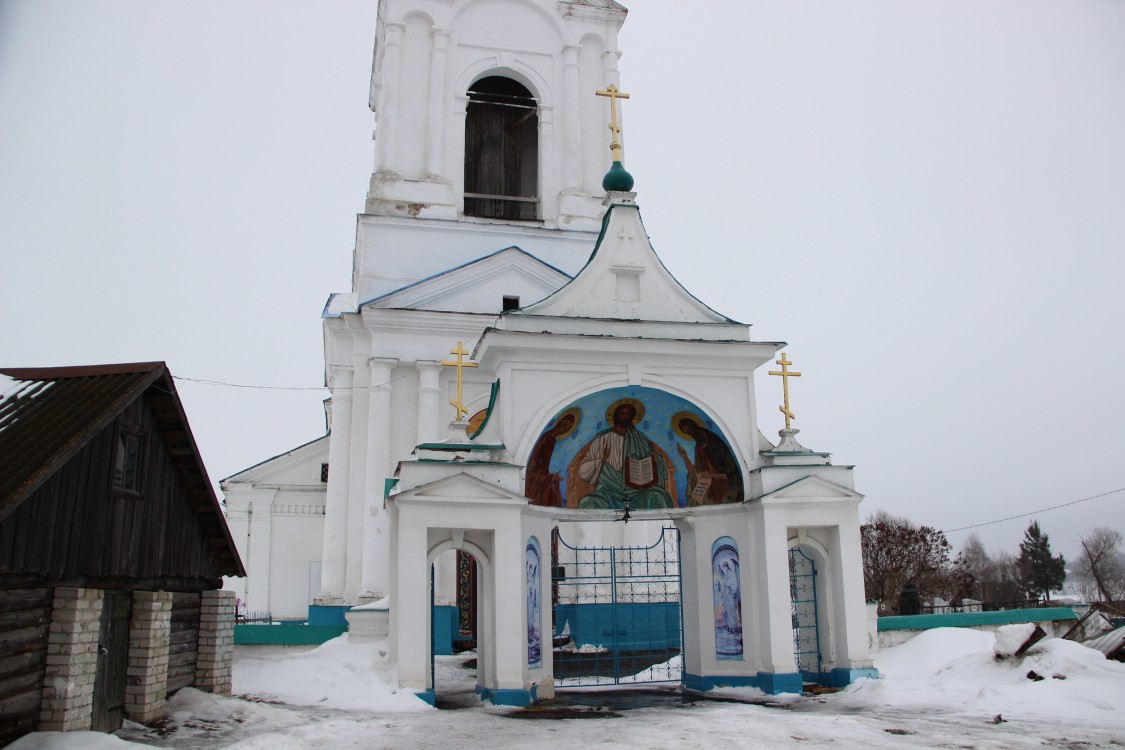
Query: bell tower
x=486, y=112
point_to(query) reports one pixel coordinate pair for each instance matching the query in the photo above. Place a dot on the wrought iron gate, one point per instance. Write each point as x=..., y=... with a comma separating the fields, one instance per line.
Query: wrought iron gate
x=617, y=613
x=806, y=620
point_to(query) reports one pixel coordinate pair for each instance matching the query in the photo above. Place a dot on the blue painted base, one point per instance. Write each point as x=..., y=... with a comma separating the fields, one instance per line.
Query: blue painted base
x=427, y=695
x=845, y=677
x=445, y=627
x=508, y=697
x=710, y=682
x=780, y=682
x=322, y=615
x=767, y=682
x=629, y=626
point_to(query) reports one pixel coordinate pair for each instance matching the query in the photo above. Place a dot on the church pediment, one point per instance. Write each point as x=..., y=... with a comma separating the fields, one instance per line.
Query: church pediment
x=625, y=280
x=298, y=466
x=479, y=286
x=812, y=488
x=460, y=488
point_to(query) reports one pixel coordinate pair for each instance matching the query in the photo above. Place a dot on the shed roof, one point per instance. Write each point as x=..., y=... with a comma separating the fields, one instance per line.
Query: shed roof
x=52, y=412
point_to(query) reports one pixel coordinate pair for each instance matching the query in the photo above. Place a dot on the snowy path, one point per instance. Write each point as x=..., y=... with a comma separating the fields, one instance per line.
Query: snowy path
x=841, y=721
x=940, y=690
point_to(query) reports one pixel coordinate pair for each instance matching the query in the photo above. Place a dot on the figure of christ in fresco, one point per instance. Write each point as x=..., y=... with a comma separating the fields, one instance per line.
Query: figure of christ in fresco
x=714, y=476
x=541, y=484
x=623, y=467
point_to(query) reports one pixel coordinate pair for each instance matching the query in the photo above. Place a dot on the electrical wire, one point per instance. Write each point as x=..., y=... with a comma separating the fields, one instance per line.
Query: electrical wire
x=1034, y=512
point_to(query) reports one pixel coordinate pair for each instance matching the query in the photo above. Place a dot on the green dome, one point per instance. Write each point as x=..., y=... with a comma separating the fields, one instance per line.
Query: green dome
x=617, y=179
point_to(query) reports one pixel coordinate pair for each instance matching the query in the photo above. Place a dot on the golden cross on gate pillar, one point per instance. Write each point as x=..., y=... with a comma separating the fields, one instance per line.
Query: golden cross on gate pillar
x=460, y=364
x=785, y=375
x=614, y=94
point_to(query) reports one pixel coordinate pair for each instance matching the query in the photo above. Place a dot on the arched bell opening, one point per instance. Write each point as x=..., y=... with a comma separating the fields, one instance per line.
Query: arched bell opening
x=501, y=151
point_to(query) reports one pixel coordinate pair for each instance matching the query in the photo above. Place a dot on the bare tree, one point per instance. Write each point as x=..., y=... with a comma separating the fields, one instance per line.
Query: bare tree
x=1100, y=567
x=896, y=552
x=994, y=577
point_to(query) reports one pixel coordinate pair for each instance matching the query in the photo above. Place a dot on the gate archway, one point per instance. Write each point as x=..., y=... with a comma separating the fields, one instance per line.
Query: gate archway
x=617, y=613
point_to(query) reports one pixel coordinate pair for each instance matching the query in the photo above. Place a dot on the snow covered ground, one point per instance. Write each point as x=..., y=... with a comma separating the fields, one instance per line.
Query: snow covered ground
x=944, y=688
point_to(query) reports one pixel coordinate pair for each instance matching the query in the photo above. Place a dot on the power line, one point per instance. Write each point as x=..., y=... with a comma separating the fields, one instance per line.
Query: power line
x=1034, y=512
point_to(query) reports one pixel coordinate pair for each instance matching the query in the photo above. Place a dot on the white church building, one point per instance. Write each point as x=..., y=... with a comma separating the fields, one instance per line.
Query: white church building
x=541, y=445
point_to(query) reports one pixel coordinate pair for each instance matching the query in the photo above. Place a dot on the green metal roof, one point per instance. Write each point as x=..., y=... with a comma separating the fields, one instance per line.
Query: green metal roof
x=975, y=619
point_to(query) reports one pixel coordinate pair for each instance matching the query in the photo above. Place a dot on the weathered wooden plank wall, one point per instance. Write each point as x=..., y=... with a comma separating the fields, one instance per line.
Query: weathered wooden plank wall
x=183, y=641
x=25, y=617
x=78, y=525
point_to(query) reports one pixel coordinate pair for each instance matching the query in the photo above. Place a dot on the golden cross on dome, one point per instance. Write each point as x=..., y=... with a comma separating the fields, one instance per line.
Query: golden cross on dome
x=460, y=364
x=614, y=127
x=785, y=374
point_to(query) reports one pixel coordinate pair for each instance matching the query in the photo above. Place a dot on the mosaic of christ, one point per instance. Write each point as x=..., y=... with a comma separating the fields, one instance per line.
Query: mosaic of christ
x=634, y=447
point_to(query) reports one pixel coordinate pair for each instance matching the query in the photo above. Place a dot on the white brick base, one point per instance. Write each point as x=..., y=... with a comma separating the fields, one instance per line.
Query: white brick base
x=216, y=642
x=72, y=660
x=147, y=675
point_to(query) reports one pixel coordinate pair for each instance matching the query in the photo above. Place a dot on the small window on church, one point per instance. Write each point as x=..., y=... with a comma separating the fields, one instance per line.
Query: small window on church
x=324, y=472
x=501, y=151
x=511, y=303
x=127, y=462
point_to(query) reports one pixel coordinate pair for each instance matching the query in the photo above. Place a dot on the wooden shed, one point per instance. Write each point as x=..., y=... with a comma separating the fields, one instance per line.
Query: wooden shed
x=113, y=546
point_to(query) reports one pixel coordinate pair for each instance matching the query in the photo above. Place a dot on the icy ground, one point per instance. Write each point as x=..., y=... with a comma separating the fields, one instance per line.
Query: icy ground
x=943, y=689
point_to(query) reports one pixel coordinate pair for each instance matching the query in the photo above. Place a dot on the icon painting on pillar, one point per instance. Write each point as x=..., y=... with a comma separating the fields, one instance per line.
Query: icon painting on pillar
x=634, y=447
x=534, y=632
x=728, y=598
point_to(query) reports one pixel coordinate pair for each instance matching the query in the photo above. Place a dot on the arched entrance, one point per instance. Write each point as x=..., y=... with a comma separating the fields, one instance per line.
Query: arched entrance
x=806, y=614
x=617, y=611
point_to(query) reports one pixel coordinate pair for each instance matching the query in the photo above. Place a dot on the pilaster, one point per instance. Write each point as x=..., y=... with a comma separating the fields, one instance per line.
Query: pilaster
x=215, y=654
x=72, y=660
x=376, y=528
x=147, y=672
x=333, y=566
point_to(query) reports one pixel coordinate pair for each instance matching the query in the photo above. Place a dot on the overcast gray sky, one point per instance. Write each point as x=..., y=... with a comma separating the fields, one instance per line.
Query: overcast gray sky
x=926, y=199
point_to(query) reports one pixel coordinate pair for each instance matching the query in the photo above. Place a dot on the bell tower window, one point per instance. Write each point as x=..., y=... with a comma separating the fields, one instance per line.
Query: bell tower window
x=501, y=151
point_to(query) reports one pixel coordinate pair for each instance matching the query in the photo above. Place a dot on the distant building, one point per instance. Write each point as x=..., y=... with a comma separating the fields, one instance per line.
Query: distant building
x=112, y=551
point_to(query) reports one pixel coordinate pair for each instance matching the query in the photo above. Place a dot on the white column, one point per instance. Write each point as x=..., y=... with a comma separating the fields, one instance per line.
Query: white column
x=510, y=629
x=548, y=158
x=410, y=607
x=388, y=111
x=435, y=140
x=357, y=485
x=572, y=142
x=259, y=520
x=376, y=527
x=429, y=401
x=775, y=624
x=850, y=622
x=334, y=556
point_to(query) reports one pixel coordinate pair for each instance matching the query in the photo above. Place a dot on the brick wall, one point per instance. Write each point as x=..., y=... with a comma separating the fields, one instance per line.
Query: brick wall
x=72, y=660
x=147, y=674
x=216, y=642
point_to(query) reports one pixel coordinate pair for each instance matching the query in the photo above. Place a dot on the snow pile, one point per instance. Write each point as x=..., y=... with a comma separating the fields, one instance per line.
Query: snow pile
x=72, y=741
x=955, y=670
x=338, y=674
x=1010, y=637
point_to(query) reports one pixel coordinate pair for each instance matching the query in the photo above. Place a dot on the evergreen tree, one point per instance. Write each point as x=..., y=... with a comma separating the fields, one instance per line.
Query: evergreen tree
x=1040, y=573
